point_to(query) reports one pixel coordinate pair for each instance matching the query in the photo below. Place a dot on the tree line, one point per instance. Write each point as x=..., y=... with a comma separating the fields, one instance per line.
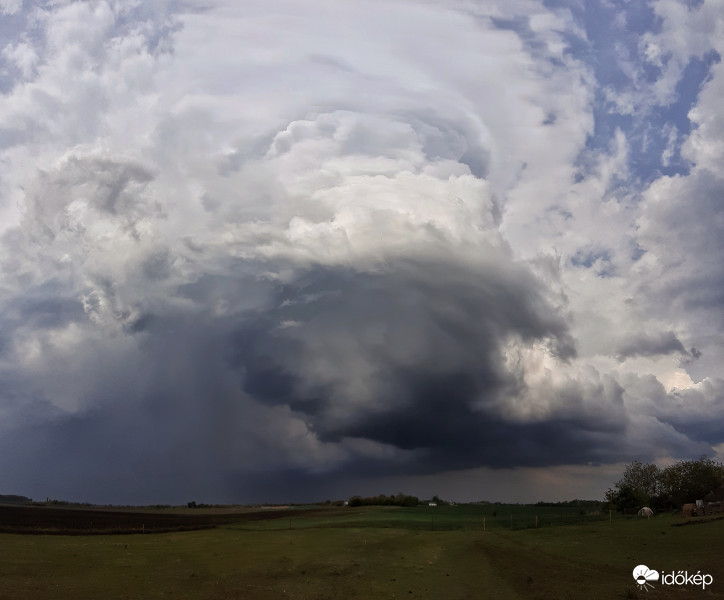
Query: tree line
x=382, y=500
x=646, y=484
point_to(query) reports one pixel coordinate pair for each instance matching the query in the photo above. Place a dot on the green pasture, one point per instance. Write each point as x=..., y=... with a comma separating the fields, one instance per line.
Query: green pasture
x=370, y=552
x=492, y=517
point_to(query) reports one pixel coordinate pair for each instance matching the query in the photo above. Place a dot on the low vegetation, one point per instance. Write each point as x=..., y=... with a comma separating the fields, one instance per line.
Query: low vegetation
x=368, y=552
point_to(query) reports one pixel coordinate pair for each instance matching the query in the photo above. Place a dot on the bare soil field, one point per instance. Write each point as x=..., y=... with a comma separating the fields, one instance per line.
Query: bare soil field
x=88, y=521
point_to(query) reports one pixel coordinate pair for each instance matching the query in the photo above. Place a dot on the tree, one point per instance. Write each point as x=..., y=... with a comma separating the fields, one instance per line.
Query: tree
x=690, y=480
x=648, y=485
x=410, y=501
x=644, y=479
x=639, y=486
x=623, y=499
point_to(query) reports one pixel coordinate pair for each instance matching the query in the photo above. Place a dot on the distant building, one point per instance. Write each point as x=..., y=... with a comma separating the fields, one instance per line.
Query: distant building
x=432, y=503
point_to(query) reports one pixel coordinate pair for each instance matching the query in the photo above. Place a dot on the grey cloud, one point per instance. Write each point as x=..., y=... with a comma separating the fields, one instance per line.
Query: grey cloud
x=427, y=341
x=161, y=419
x=700, y=411
x=459, y=139
x=682, y=279
x=354, y=356
x=112, y=180
x=158, y=265
x=681, y=228
x=112, y=188
x=409, y=359
x=695, y=412
x=46, y=309
x=521, y=26
x=192, y=407
x=245, y=273
x=442, y=421
x=664, y=342
x=244, y=151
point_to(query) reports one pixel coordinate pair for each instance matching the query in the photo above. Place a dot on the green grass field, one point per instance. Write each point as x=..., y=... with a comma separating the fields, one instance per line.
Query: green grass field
x=372, y=552
x=441, y=518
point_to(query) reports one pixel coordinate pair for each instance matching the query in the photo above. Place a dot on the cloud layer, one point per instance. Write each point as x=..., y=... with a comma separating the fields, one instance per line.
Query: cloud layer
x=259, y=252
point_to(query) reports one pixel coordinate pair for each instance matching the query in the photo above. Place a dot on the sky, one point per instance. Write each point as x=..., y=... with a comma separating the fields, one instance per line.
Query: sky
x=296, y=250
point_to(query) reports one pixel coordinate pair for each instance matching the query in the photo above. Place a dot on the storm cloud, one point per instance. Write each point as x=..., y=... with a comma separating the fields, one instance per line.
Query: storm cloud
x=272, y=251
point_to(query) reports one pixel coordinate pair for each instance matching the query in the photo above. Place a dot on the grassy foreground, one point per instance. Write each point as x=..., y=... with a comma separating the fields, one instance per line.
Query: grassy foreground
x=365, y=553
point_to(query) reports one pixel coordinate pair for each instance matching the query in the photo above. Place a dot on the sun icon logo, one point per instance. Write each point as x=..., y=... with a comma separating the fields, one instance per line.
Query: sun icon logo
x=643, y=576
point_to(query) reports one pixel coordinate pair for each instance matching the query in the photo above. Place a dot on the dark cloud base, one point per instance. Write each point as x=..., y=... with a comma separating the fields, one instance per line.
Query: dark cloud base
x=427, y=336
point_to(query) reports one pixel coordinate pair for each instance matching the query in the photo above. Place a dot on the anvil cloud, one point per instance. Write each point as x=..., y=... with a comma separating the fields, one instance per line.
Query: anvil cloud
x=290, y=250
